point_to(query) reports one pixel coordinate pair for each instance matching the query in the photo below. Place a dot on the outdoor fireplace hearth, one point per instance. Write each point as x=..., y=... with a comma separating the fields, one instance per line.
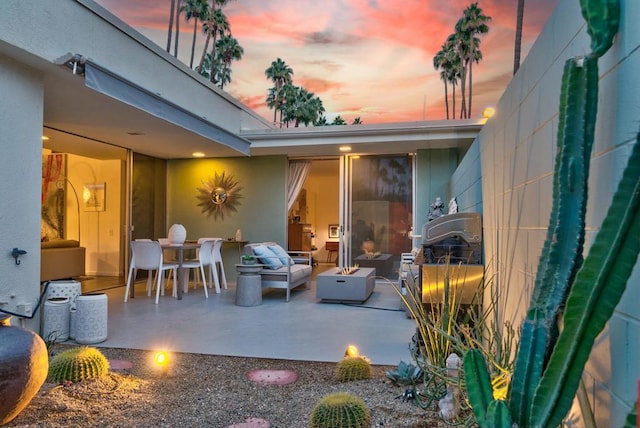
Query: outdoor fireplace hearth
x=333, y=286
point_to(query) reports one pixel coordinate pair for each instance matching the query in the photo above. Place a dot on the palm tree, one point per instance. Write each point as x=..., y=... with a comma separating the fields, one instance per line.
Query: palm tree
x=216, y=25
x=338, y=120
x=280, y=74
x=441, y=62
x=195, y=9
x=228, y=50
x=171, y=14
x=357, y=121
x=516, y=52
x=472, y=23
x=303, y=107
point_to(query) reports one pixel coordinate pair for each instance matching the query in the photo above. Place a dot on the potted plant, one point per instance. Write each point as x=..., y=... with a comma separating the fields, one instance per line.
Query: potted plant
x=248, y=259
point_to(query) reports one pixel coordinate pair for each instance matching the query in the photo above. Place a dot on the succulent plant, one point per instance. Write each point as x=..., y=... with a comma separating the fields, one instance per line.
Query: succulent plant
x=340, y=410
x=405, y=374
x=78, y=364
x=353, y=368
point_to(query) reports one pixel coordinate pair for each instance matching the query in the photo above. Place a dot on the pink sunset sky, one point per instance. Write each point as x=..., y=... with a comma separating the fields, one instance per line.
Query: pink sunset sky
x=371, y=59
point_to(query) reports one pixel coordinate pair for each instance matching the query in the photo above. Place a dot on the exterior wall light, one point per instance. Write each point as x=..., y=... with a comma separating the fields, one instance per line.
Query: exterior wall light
x=488, y=112
x=197, y=154
x=345, y=148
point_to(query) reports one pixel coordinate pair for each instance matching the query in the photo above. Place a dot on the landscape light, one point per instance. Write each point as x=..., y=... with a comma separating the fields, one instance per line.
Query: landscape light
x=161, y=359
x=351, y=351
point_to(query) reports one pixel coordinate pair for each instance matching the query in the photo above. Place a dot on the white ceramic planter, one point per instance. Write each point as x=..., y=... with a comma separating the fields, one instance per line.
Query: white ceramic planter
x=91, y=318
x=56, y=319
x=65, y=288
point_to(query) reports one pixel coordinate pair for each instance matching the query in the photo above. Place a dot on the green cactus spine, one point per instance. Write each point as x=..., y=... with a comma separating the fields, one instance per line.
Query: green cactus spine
x=78, y=364
x=340, y=410
x=353, y=368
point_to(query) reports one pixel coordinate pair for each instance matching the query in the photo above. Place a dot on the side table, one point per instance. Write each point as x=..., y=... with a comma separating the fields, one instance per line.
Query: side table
x=249, y=285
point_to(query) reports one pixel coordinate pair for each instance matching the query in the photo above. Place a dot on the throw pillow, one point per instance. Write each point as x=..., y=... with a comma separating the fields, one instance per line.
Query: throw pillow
x=282, y=254
x=267, y=257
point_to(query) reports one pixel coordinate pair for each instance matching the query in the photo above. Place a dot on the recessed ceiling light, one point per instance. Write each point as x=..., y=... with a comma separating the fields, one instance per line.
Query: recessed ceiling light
x=345, y=148
x=197, y=154
x=45, y=138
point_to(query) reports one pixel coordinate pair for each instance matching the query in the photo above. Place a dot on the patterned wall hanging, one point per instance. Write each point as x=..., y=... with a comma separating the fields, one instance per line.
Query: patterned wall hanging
x=219, y=196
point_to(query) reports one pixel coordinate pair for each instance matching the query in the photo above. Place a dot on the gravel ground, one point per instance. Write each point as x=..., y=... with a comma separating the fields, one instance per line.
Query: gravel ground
x=209, y=390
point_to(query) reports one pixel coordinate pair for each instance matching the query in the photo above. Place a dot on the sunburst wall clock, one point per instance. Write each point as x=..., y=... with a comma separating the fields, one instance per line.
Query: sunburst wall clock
x=219, y=196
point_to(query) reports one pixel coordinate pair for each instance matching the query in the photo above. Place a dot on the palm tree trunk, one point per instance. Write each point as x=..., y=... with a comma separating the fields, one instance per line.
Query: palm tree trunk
x=175, y=43
x=470, y=88
x=171, y=12
x=453, y=86
x=213, y=53
x=446, y=99
x=204, y=51
x=463, y=90
x=516, y=53
x=193, y=43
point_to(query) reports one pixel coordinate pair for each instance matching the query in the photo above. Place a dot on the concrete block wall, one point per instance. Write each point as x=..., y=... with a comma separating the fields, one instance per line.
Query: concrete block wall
x=516, y=152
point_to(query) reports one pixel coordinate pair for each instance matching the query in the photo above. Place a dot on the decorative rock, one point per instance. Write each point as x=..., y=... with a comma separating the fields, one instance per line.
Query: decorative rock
x=24, y=364
x=273, y=377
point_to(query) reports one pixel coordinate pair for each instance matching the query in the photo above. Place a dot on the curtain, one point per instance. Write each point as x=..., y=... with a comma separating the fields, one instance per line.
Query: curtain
x=297, y=174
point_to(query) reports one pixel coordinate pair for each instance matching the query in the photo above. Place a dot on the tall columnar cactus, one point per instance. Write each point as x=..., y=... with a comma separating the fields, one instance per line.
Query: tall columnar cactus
x=78, y=364
x=549, y=366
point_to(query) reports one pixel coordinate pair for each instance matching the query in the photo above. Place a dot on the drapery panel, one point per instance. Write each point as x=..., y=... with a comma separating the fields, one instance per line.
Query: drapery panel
x=297, y=174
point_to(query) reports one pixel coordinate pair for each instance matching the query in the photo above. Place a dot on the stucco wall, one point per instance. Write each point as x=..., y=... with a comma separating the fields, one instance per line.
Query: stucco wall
x=20, y=173
x=516, y=149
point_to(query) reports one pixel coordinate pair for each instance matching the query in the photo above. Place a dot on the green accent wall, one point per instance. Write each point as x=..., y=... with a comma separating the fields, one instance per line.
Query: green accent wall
x=261, y=212
x=433, y=174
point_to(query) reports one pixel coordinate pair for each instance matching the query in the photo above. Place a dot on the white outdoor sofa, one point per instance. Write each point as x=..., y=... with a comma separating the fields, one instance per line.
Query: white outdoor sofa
x=282, y=269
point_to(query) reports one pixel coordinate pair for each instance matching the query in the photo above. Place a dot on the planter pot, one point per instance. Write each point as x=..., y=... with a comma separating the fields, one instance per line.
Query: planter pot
x=24, y=364
x=56, y=321
x=177, y=234
x=90, y=321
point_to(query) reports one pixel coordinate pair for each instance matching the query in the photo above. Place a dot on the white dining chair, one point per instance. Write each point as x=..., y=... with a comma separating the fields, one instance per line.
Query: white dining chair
x=204, y=259
x=147, y=255
x=205, y=253
x=217, y=258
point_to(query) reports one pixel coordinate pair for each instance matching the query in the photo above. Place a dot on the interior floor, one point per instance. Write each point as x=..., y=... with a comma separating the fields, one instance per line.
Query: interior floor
x=302, y=329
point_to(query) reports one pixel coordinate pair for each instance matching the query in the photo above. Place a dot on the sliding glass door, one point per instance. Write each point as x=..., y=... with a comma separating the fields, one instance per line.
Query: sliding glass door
x=376, y=206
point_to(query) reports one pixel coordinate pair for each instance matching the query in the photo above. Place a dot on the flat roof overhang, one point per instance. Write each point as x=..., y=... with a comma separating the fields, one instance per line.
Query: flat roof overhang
x=384, y=138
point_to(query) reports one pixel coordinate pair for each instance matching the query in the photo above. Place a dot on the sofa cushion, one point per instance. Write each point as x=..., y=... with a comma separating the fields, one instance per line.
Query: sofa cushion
x=282, y=254
x=298, y=272
x=60, y=243
x=267, y=257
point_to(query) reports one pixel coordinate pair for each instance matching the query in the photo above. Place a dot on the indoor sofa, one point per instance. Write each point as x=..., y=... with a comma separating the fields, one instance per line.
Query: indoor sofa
x=61, y=259
x=281, y=268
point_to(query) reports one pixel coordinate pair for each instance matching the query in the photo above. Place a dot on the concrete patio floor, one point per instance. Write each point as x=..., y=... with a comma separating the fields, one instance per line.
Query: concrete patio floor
x=302, y=329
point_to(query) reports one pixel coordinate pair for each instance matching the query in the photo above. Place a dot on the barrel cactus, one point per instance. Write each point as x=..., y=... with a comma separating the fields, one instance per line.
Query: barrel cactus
x=78, y=364
x=340, y=410
x=353, y=368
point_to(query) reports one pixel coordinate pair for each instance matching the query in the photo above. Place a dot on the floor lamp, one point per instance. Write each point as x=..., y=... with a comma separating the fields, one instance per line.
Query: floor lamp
x=60, y=185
